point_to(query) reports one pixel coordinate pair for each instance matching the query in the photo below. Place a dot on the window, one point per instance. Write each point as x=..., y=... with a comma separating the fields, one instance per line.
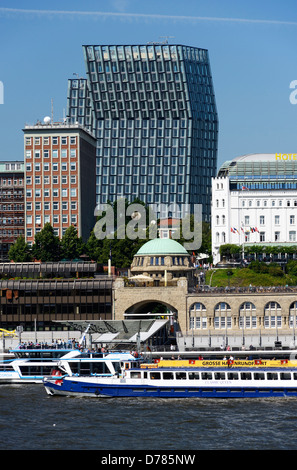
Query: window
x=276, y=219
x=222, y=318
x=292, y=236
x=198, y=318
x=262, y=236
x=292, y=219
x=272, y=315
x=262, y=219
x=276, y=236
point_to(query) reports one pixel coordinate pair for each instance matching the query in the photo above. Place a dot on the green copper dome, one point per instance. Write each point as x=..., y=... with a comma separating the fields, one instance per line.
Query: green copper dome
x=162, y=246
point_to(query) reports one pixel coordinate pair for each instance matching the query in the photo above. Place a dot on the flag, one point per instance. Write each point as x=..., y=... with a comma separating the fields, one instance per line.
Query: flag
x=244, y=188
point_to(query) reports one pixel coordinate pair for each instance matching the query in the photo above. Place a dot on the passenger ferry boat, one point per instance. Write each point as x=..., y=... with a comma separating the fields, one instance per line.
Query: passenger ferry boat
x=131, y=379
x=33, y=365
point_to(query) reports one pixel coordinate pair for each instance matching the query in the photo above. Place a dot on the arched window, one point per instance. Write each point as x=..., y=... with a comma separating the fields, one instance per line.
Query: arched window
x=247, y=315
x=272, y=315
x=222, y=316
x=198, y=320
x=293, y=315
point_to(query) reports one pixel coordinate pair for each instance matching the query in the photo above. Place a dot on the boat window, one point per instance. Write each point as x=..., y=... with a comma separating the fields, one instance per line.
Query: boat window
x=295, y=376
x=168, y=375
x=181, y=375
x=36, y=370
x=220, y=375
x=246, y=376
x=259, y=375
x=135, y=375
x=85, y=368
x=155, y=375
x=100, y=368
x=285, y=375
x=233, y=375
x=194, y=375
x=206, y=376
x=272, y=376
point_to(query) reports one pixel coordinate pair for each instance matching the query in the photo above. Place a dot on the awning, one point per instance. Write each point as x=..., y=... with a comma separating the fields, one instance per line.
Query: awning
x=118, y=331
x=140, y=277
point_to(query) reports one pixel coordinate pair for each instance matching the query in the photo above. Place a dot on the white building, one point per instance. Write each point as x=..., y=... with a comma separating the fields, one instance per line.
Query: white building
x=254, y=201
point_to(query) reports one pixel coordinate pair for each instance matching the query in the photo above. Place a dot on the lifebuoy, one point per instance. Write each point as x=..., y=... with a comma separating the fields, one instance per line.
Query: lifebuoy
x=58, y=373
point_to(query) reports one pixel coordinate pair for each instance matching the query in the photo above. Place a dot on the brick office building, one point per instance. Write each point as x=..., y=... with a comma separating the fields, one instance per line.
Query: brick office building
x=60, y=165
x=11, y=205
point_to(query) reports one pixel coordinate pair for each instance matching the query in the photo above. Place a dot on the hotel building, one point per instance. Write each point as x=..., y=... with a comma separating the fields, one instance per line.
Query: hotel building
x=254, y=201
x=152, y=109
x=11, y=205
x=59, y=178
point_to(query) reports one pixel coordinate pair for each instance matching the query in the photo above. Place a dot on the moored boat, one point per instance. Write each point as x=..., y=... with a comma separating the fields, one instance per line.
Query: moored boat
x=33, y=365
x=122, y=380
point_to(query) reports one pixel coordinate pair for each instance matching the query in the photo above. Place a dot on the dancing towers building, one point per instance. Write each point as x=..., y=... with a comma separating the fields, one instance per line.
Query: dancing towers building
x=152, y=109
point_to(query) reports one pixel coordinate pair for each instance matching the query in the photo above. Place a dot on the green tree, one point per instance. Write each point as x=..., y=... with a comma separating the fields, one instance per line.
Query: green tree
x=93, y=247
x=71, y=245
x=20, y=251
x=46, y=245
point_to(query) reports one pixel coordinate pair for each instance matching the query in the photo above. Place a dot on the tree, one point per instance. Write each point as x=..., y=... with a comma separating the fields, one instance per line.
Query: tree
x=20, y=251
x=71, y=245
x=93, y=247
x=47, y=245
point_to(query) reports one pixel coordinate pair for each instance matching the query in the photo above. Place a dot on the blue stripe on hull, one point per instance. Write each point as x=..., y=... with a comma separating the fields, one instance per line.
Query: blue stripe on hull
x=142, y=391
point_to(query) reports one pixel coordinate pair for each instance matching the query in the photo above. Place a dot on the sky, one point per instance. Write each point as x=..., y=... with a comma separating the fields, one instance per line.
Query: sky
x=251, y=44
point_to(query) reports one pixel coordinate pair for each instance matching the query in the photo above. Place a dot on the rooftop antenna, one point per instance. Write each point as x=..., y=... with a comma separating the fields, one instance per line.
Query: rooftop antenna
x=166, y=38
x=52, y=107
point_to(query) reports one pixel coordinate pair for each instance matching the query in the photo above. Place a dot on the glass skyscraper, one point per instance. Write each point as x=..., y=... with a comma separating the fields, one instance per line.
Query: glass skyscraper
x=152, y=109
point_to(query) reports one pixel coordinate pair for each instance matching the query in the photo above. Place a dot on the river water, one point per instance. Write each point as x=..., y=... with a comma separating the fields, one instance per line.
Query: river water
x=32, y=420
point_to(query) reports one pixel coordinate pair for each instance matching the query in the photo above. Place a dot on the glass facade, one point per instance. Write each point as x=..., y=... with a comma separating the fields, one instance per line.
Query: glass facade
x=259, y=172
x=152, y=109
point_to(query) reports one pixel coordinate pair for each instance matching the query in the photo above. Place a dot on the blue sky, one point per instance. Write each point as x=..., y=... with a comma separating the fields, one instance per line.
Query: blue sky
x=252, y=48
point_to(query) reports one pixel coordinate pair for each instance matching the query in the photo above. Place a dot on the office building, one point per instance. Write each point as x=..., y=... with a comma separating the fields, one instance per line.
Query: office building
x=60, y=164
x=11, y=205
x=152, y=109
x=254, y=201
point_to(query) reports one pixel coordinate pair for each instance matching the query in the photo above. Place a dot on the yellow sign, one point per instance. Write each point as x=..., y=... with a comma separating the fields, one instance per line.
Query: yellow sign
x=222, y=363
x=7, y=332
x=286, y=156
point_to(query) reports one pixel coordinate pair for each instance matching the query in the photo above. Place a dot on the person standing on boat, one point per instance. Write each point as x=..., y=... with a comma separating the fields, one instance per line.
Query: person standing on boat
x=230, y=361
